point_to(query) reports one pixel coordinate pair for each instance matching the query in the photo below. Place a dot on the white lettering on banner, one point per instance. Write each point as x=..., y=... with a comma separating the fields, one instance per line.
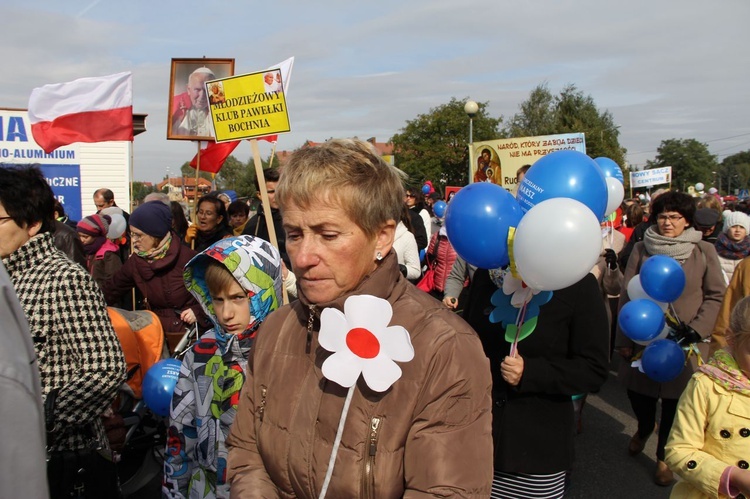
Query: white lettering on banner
x=40, y=154
x=62, y=181
x=654, y=176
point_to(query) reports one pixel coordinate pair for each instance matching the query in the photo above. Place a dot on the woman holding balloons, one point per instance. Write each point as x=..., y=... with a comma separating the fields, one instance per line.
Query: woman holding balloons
x=695, y=306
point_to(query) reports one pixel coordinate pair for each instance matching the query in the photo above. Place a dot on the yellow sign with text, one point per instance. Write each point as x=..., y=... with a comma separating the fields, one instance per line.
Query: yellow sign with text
x=248, y=106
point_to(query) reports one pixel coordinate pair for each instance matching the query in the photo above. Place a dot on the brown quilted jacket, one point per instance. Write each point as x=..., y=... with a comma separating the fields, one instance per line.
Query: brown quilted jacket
x=428, y=435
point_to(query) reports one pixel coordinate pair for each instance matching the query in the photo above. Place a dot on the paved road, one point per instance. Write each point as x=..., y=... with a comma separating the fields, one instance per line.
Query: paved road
x=603, y=467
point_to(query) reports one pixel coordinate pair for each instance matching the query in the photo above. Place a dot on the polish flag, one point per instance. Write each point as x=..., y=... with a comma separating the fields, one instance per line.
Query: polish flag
x=95, y=109
x=214, y=155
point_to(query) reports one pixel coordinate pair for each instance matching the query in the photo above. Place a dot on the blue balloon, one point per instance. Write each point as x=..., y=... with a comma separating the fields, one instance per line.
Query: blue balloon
x=663, y=360
x=662, y=278
x=565, y=174
x=439, y=208
x=641, y=320
x=610, y=168
x=425, y=189
x=477, y=222
x=158, y=385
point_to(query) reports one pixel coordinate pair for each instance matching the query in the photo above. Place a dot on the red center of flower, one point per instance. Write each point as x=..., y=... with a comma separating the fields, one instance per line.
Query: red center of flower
x=362, y=343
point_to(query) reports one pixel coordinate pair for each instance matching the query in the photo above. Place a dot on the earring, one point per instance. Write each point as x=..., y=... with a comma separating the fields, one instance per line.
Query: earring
x=379, y=256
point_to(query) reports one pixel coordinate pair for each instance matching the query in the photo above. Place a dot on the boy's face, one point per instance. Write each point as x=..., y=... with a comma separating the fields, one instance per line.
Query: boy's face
x=232, y=308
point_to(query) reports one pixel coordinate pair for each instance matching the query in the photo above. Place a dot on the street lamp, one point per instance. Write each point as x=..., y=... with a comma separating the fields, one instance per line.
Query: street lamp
x=471, y=109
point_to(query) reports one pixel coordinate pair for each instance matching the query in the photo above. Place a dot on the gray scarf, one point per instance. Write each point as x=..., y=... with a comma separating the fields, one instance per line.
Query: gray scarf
x=679, y=248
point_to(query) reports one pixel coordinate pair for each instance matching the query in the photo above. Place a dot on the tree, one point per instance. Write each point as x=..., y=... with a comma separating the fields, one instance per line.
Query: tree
x=188, y=171
x=569, y=112
x=140, y=190
x=237, y=176
x=434, y=146
x=690, y=161
x=734, y=172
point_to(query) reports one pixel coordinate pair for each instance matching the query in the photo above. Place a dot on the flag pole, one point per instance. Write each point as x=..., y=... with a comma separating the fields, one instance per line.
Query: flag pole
x=127, y=236
x=195, y=196
x=266, y=203
x=273, y=154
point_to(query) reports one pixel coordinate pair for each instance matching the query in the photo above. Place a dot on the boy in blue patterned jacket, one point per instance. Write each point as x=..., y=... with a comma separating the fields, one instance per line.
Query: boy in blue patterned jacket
x=238, y=282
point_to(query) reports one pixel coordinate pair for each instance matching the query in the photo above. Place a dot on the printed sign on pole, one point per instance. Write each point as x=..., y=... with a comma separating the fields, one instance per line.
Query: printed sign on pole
x=248, y=106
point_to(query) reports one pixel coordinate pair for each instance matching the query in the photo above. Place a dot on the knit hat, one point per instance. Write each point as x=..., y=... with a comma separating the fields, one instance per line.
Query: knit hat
x=737, y=218
x=94, y=225
x=153, y=218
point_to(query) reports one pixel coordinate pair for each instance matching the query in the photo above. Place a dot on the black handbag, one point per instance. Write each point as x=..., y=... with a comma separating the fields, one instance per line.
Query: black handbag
x=82, y=473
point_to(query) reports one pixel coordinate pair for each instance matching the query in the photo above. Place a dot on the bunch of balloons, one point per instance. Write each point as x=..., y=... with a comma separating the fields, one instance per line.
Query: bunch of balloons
x=660, y=282
x=158, y=385
x=551, y=229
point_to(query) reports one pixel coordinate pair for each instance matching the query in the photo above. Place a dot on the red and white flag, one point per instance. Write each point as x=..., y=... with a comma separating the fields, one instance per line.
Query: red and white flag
x=94, y=109
x=213, y=156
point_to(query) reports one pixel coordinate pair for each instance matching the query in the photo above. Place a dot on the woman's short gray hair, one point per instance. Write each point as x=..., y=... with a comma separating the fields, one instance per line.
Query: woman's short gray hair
x=348, y=173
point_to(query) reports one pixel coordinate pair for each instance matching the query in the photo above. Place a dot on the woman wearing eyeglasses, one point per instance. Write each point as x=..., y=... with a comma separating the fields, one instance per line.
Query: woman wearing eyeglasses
x=211, y=223
x=155, y=268
x=672, y=235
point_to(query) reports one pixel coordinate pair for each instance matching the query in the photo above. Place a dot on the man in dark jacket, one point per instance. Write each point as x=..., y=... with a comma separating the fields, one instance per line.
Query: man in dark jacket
x=256, y=226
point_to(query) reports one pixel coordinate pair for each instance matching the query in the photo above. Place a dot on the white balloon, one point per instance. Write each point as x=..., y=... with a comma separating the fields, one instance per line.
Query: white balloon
x=117, y=227
x=699, y=186
x=557, y=242
x=636, y=292
x=713, y=190
x=635, y=289
x=615, y=195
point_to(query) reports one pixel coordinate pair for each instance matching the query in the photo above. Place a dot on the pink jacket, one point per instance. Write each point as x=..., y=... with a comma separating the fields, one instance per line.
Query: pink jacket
x=443, y=259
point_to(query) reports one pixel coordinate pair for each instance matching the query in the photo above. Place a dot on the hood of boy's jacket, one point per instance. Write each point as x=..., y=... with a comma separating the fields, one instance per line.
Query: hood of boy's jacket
x=253, y=262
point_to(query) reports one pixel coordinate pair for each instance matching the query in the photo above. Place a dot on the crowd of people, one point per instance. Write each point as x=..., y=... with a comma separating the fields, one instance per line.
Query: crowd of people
x=449, y=401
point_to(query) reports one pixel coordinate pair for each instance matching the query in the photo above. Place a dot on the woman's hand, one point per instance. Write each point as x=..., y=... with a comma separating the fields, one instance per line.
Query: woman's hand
x=190, y=233
x=511, y=369
x=188, y=316
x=740, y=479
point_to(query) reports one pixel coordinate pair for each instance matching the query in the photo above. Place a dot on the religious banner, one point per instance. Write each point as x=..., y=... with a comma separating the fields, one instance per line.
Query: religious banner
x=497, y=161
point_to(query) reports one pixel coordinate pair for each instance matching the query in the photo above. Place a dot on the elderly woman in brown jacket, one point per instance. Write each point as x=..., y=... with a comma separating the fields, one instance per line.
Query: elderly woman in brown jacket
x=429, y=433
x=697, y=307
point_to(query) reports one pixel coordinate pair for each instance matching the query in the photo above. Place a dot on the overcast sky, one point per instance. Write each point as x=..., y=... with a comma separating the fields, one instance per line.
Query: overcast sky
x=664, y=68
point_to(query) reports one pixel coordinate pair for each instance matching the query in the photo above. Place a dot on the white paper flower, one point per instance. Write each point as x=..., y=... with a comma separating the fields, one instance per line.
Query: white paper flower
x=520, y=291
x=362, y=342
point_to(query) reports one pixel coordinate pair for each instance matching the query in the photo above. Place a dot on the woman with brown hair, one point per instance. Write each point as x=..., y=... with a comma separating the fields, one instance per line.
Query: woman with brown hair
x=673, y=235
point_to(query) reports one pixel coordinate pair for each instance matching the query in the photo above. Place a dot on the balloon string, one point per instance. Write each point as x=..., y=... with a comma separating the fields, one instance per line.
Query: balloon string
x=519, y=323
x=336, y=442
x=673, y=314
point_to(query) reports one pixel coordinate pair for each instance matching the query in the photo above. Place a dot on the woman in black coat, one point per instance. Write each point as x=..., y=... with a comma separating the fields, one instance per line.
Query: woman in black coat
x=533, y=420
